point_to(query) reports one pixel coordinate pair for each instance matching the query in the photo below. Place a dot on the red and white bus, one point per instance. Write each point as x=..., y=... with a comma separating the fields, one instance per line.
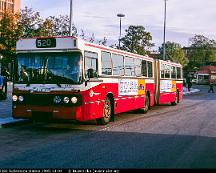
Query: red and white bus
x=68, y=78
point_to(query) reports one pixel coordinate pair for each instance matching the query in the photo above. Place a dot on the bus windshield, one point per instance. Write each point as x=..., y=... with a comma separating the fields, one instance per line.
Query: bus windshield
x=49, y=68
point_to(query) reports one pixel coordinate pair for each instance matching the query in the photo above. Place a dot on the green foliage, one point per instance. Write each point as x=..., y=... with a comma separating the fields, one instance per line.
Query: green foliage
x=56, y=26
x=202, y=50
x=136, y=40
x=92, y=39
x=103, y=42
x=8, y=36
x=174, y=53
x=29, y=23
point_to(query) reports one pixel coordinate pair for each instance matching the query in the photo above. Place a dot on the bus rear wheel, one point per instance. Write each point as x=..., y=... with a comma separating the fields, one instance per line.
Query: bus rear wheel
x=107, y=113
x=176, y=99
x=146, y=105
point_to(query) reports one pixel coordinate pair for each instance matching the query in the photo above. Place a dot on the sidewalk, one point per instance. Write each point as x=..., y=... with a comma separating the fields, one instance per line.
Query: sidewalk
x=192, y=90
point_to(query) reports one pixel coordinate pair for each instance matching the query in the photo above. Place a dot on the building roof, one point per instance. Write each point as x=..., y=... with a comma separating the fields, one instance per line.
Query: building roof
x=207, y=69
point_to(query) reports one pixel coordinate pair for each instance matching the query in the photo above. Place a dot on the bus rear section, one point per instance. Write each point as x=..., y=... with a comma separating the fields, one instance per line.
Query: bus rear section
x=168, y=82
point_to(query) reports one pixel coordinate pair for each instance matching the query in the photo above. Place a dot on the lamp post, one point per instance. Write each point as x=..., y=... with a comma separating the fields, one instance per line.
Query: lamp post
x=71, y=17
x=120, y=16
x=164, y=36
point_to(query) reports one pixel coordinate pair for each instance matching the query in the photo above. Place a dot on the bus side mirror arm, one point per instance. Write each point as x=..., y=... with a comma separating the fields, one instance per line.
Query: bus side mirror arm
x=86, y=82
x=90, y=74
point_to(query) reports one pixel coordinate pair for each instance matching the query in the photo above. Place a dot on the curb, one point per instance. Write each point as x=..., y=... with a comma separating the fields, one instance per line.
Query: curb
x=6, y=122
x=191, y=92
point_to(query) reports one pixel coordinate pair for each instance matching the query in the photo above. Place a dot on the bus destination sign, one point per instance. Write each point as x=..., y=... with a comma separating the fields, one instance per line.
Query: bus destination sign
x=45, y=42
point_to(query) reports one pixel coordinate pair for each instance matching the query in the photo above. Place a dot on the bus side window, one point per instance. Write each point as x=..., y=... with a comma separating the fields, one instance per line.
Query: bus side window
x=173, y=72
x=91, y=65
x=138, y=67
x=150, y=74
x=129, y=66
x=162, y=71
x=106, y=63
x=118, y=64
x=167, y=71
x=144, y=68
x=178, y=73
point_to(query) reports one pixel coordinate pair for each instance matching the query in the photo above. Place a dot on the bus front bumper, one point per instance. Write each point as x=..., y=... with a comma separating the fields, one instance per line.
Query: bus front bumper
x=31, y=112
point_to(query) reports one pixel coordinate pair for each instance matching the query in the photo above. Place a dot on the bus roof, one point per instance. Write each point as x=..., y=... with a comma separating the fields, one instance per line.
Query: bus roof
x=67, y=42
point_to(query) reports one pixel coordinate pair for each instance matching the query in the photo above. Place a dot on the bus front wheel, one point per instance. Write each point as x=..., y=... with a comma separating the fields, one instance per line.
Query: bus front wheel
x=107, y=113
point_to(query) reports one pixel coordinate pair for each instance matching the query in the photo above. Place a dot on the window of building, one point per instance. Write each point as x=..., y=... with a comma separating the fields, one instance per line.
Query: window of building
x=118, y=64
x=106, y=63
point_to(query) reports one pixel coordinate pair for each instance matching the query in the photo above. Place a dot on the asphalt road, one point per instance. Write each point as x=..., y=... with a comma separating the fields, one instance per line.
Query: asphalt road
x=182, y=136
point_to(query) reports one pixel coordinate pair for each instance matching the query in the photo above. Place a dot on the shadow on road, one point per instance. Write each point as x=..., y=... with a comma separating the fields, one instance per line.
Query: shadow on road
x=49, y=147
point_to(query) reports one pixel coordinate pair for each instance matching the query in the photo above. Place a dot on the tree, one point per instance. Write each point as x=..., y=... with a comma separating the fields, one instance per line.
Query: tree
x=92, y=39
x=56, y=26
x=202, y=50
x=174, y=53
x=32, y=25
x=103, y=42
x=29, y=23
x=136, y=40
x=8, y=35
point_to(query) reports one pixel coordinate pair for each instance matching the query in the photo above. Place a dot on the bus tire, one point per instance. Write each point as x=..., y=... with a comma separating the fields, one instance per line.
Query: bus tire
x=107, y=112
x=146, y=104
x=176, y=99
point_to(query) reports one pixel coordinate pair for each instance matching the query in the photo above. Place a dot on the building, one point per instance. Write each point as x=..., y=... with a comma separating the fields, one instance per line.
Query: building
x=12, y=5
x=206, y=74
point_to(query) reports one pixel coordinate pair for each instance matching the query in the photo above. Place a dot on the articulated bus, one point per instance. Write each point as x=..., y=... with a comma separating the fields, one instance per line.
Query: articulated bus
x=70, y=79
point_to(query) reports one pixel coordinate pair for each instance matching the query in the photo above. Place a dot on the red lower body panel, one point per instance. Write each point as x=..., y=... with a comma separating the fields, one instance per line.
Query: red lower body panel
x=68, y=113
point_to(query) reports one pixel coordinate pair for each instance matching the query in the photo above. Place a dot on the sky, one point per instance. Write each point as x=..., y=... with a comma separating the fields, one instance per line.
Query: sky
x=185, y=18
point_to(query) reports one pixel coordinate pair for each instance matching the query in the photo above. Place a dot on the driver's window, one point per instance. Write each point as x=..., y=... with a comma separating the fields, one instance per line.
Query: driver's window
x=91, y=65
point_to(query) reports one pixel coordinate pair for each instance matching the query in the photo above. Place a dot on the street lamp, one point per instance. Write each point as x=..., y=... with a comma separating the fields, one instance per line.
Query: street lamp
x=164, y=38
x=71, y=17
x=120, y=16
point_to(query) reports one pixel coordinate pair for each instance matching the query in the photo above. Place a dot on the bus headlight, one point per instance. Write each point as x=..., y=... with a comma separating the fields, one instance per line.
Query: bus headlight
x=74, y=100
x=57, y=99
x=66, y=100
x=21, y=98
x=14, y=98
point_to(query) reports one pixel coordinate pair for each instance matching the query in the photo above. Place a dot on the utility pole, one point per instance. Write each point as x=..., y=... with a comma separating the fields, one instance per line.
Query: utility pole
x=71, y=17
x=164, y=38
